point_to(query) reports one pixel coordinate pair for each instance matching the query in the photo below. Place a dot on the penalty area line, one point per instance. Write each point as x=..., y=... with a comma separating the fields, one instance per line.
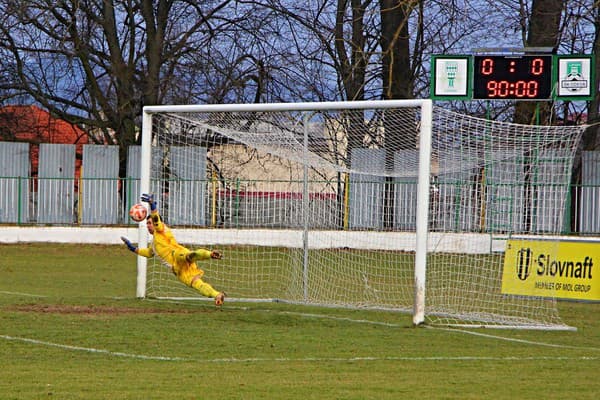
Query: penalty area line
x=21, y=294
x=391, y=358
x=486, y=335
x=92, y=350
x=285, y=360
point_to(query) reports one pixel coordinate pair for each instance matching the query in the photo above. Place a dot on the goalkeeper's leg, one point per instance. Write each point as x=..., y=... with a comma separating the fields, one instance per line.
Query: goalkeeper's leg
x=200, y=254
x=207, y=290
x=184, y=256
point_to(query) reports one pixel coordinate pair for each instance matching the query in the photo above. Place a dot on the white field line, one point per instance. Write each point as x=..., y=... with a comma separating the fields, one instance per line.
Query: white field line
x=346, y=319
x=90, y=349
x=455, y=330
x=21, y=294
x=486, y=335
x=467, y=332
x=284, y=359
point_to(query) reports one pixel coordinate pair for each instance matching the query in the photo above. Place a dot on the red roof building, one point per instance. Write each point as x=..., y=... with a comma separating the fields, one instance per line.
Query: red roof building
x=33, y=125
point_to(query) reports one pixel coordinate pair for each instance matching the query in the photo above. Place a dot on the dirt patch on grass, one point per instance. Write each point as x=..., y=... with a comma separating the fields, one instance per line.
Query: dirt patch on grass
x=94, y=310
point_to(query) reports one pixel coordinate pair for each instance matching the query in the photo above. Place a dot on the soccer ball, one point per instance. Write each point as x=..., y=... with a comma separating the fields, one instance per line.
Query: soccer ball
x=138, y=212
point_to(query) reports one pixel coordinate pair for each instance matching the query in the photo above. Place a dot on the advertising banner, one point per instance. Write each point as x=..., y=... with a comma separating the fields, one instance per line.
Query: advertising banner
x=552, y=268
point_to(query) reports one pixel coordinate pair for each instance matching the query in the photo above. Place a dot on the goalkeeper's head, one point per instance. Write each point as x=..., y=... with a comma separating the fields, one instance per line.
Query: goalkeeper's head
x=150, y=224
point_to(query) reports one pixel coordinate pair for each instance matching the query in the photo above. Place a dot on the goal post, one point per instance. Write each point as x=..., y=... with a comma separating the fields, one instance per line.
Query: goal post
x=421, y=224
x=145, y=164
x=395, y=205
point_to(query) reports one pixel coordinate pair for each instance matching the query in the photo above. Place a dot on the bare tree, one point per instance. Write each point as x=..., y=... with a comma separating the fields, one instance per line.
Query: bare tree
x=543, y=31
x=591, y=137
x=397, y=69
x=577, y=38
x=97, y=63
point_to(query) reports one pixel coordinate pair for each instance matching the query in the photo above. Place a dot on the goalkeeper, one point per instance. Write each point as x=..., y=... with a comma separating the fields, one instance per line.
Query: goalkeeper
x=181, y=260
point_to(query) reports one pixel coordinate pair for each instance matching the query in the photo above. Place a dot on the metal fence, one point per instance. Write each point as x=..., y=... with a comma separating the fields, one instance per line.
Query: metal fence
x=47, y=194
x=105, y=202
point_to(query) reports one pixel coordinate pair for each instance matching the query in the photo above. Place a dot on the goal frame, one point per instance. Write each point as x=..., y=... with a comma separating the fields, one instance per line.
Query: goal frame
x=423, y=178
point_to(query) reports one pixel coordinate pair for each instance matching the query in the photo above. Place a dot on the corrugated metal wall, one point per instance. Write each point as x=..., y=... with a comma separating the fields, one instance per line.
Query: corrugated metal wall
x=131, y=185
x=14, y=185
x=366, y=191
x=505, y=184
x=457, y=205
x=550, y=197
x=99, y=188
x=405, y=162
x=104, y=199
x=589, y=217
x=187, y=187
x=56, y=188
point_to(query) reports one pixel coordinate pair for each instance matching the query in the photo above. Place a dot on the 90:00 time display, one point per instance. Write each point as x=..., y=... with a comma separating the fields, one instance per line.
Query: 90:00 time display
x=519, y=89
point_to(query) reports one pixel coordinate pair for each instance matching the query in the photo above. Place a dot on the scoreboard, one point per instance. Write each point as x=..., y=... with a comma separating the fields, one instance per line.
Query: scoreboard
x=498, y=77
x=512, y=77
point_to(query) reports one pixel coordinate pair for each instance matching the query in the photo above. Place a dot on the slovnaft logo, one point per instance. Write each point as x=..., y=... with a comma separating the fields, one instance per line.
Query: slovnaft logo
x=524, y=261
x=552, y=268
x=572, y=268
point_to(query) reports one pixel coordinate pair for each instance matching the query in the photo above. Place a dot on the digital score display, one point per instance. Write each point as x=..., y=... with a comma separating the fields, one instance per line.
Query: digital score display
x=527, y=77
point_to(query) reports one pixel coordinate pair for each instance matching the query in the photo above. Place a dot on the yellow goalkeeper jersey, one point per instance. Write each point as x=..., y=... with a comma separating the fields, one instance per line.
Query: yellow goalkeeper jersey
x=165, y=246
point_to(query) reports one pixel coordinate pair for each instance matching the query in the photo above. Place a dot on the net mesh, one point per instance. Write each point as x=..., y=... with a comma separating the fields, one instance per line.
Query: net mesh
x=319, y=206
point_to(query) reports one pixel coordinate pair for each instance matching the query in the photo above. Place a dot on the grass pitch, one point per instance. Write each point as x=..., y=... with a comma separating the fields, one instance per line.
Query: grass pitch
x=71, y=328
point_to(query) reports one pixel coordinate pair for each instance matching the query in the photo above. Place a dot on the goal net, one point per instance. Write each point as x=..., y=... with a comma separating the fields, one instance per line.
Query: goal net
x=394, y=205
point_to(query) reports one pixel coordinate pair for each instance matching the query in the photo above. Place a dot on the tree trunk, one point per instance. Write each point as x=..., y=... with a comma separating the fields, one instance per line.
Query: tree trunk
x=397, y=79
x=395, y=46
x=544, y=30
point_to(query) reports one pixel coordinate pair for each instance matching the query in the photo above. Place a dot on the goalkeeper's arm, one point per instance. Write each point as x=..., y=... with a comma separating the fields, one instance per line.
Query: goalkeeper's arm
x=130, y=246
x=149, y=198
x=147, y=252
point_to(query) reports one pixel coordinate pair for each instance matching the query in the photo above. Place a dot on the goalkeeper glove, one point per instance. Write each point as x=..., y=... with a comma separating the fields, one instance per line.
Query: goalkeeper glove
x=128, y=243
x=216, y=254
x=149, y=198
